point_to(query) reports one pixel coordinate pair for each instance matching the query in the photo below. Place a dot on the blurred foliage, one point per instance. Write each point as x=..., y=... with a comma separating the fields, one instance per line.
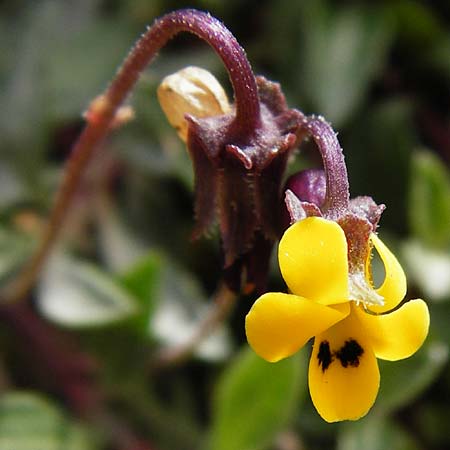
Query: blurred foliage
x=129, y=281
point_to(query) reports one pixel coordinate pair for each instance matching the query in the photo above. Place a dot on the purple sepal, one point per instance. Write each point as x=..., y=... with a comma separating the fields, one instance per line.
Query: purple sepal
x=238, y=176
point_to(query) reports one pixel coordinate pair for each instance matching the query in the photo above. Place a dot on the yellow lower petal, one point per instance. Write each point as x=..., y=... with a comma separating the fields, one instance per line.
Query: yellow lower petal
x=343, y=372
x=280, y=324
x=393, y=289
x=313, y=260
x=399, y=334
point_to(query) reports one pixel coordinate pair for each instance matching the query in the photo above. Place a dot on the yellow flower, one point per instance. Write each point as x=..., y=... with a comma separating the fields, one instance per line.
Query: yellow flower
x=352, y=322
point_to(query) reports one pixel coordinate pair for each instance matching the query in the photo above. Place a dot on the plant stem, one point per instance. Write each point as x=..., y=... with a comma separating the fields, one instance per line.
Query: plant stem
x=337, y=194
x=102, y=112
x=222, y=306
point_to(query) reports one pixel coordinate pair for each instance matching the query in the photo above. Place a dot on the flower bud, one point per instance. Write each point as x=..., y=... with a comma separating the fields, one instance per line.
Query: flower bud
x=193, y=91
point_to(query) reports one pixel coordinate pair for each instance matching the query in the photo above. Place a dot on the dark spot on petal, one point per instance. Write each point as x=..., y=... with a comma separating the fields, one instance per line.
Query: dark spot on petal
x=349, y=353
x=324, y=355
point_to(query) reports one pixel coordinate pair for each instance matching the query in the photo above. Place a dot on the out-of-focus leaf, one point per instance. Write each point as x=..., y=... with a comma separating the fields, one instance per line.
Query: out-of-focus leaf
x=254, y=400
x=118, y=246
x=344, y=50
x=429, y=268
x=374, y=432
x=182, y=307
x=440, y=312
x=14, y=252
x=78, y=294
x=31, y=422
x=402, y=381
x=11, y=189
x=429, y=202
x=377, y=152
x=436, y=57
x=432, y=422
x=142, y=282
x=417, y=26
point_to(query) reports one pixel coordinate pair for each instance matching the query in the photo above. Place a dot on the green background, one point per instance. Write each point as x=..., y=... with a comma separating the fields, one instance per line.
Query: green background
x=76, y=365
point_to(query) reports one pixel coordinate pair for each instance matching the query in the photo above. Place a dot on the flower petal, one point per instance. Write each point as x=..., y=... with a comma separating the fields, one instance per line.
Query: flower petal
x=280, y=324
x=399, y=334
x=313, y=260
x=393, y=288
x=343, y=372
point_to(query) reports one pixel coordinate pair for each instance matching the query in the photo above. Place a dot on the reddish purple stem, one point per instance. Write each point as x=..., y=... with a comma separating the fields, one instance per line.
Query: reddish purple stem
x=246, y=121
x=337, y=193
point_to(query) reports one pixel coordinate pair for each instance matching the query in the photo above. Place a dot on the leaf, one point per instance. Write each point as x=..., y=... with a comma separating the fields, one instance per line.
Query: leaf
x=254, y=400
x=429, y=268
x=183, y=307
x=30, y=422
x=344, y=50
x=402, y=381
x=429, y=202
x=14, y=252
x=378, y=152
x=374, y=432
x=78, y=294
x=142, y=282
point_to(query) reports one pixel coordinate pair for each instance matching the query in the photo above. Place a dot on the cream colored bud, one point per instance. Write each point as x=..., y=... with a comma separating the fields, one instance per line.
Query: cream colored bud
x=194, y=91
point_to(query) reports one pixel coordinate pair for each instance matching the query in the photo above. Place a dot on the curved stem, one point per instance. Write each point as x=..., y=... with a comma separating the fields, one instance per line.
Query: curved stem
x=102, y=112
x=337, y=194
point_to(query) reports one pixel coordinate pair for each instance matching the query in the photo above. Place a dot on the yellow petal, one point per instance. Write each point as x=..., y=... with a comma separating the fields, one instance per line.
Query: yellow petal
x=280, y=324
x=399, y=334
x=313, y=260
x=393, y=288
x=343, y=372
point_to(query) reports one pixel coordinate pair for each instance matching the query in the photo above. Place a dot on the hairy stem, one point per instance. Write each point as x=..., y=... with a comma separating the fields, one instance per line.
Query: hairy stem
x=337, y=194
x=102, y=112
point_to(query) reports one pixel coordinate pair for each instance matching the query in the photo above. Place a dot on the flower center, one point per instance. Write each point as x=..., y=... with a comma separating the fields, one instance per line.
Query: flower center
x=361, y=291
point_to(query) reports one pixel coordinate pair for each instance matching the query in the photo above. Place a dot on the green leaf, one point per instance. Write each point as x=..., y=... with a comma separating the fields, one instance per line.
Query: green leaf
x=14, y=252
x=378, y=152
x=429, y=203
x=30, y=422
x=142, y=282
x=344, y=50
x=402, y=381
x=183, y=307
x=374, y=432
x=78, y=294
x=254, y=400
x=428, y=268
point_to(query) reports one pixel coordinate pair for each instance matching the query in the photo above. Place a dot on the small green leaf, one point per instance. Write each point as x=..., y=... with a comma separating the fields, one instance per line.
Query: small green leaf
x=374, y=432
x=402, y=381
x=30, y=422
x=14, y=252
x=429, y=203
x=142, y=282
x=429, y=268
x=344, y=50
x=78, y=294
x=184, y=305
x=254, y=400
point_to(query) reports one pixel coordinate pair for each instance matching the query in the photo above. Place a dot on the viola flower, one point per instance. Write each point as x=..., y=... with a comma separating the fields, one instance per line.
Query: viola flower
x=325, y=260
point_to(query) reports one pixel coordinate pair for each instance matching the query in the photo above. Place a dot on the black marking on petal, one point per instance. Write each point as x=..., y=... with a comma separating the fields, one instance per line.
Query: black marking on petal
x=324, y=355
x=350, y=353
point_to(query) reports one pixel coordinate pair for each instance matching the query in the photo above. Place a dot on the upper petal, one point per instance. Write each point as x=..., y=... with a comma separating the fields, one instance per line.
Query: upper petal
x=393, y=288
x=343, y=372
x=399, y=334
x=280, y=324
x=313, y=260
